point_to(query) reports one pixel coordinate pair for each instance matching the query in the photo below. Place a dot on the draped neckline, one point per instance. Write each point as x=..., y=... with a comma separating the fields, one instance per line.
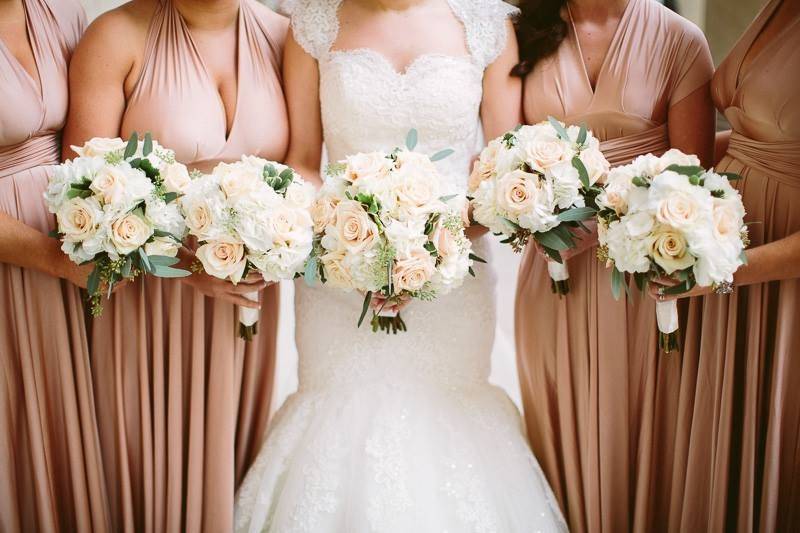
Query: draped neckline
x=613, y=47
x=30, y=33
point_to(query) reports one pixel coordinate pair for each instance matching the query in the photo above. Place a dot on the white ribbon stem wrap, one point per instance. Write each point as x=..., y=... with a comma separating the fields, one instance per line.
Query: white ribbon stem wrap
x=388, y=313
x=248, y=316
x=667, y=315
x=558, y=271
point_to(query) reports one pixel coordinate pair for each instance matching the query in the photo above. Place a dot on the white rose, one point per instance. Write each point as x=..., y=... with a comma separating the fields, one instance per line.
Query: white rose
x=176, y=177
x=354, y=228
x=99, y=147
x=164, y=246
x=676, y=157
x=300, y=195
x=78, y=218
x=129, y=232
x=411, y=273
x=223, y=259
x=728, y=217
x=597, y=166
x=638, y=224
x=670, y=250
x=566, y=185
x=166, y=217
x=716, y=262
x=367, y=166
x=414, y=194
x=238, y=180
x=110, y=184
x=678, y=203
x=289, y=225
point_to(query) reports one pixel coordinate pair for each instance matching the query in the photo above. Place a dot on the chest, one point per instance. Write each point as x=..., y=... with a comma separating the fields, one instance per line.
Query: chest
x=593, y=42
x=402, y=37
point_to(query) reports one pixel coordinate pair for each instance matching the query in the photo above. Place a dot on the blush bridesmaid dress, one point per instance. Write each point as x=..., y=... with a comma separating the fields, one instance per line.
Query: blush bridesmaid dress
x=740, y=433
x=182, y=401
x=596, y=392
x=50, y=472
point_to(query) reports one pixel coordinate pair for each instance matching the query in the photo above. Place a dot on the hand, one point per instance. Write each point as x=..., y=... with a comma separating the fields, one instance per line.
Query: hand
x=475, y=231
x=225, y=290
x=658, y=285
x=584, y=240
x=79, y=274
x=379, y=303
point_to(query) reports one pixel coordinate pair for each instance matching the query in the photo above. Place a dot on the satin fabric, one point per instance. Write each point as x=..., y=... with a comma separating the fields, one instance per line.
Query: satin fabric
x=49, y=450
x=739, y=441
x=596, y=392
x=182, y=401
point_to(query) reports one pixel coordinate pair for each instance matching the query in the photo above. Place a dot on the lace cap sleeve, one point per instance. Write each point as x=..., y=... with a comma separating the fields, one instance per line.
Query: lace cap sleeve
x=315, y=24
x=485, y=24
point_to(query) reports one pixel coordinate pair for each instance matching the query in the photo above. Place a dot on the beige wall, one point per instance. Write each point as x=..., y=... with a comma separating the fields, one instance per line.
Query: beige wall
x=725, y=22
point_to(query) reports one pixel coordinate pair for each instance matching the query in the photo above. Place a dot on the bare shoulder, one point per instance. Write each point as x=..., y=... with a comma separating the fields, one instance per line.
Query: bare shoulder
x=275, y=23
x=99, y=48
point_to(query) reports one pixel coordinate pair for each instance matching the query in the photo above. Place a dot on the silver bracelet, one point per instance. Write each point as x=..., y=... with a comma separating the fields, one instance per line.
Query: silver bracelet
x=725, y=287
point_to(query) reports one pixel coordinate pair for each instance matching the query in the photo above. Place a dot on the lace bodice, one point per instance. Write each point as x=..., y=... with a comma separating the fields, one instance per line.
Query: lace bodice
x=368, y=105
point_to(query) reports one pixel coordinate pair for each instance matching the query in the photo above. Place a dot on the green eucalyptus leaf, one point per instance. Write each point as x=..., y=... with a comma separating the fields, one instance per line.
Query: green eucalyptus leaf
x=146, y=265
x=411, y=139
x=617, y=281
x=582, y=135
x=310, y=272
x=731, y=176
x=169, y=272
x=442, y=154
x=583, y=174
x=562, y=132
x=163, y=260
x=148, y=144
x=577, y=214
x=365, y=307
x=126, y=267
x=477, y=259
x=133, y=144
x=686, y=170
x=743, y=257
x=551, y=239
x=93, y=282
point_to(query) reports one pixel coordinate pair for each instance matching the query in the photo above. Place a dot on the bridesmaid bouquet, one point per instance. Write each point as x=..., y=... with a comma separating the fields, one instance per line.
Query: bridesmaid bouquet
x=667, y=216
x=250, y=216
x=115, y=207
x=539, y=182
x=389, y=225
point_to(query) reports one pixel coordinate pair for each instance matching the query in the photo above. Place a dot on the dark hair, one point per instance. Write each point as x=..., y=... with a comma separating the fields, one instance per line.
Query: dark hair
x=540, y=30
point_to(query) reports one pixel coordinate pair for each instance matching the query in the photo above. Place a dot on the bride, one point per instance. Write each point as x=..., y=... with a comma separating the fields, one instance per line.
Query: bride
x=397, y=433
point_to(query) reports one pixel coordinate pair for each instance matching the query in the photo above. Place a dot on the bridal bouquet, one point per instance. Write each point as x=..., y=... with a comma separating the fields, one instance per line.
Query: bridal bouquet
x=389, y=225
x=250, y=216
x=539, y=182
x=667, y=216
x=115, y=207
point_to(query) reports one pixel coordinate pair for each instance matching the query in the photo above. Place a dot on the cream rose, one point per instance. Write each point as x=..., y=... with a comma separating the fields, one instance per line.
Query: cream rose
x=597, y=166
x=727, y=218
x=670, y=250
x=300, y=195
x=413, y=272
x=223, y=259
x=99, y=147
x=542, y=154
x=176, y=177
x=486, y=166
x=679, y=209
x=161, y=246
x=515, y=192
x=323, y=211
x=78, y=218
x=415, y=191
x=336, y=274
x=199, y=218
x=354, y=228
x=110, y=184
x=129, y=232
x=445, y=242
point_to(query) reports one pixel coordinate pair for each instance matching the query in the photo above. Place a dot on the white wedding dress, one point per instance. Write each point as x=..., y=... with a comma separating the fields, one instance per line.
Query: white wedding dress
x=398, y=433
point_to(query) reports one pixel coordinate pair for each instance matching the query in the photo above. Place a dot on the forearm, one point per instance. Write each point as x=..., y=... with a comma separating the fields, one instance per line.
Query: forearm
x=721, y=145
x=778, y=260
x=26, y=247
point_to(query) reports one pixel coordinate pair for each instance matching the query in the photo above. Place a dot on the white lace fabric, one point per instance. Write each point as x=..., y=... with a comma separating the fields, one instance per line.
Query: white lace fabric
x=402, y=432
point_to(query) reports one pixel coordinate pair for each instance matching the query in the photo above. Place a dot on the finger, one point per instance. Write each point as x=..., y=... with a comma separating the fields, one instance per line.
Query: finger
x=253, y=276
x=245, y=288
x=241, y=301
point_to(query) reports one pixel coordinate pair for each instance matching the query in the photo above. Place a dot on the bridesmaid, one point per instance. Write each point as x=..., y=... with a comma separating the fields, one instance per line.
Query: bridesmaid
x=740, y=443
x=49, y=450
x=182, y=401
x=597, y=395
